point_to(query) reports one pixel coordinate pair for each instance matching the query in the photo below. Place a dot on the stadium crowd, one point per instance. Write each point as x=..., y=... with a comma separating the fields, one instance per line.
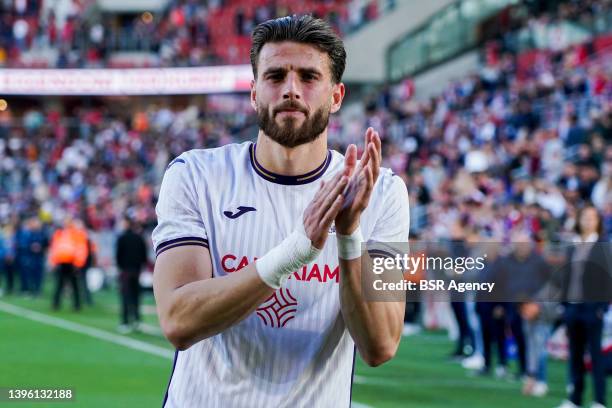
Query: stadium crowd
x=184, y=33
x=514, y=152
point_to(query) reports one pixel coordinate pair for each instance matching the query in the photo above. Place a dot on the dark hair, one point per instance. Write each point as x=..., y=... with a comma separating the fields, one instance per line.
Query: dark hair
x=302, y=29
x=581, y=211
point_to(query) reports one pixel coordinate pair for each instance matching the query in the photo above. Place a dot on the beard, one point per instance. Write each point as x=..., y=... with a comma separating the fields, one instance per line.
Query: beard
x=288, y=134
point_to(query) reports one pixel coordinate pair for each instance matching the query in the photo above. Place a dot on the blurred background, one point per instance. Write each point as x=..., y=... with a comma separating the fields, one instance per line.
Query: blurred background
x=496, y=113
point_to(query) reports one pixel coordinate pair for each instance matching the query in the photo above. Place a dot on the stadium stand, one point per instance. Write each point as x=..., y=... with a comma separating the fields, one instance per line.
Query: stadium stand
x=517, y=117
x=184, y=33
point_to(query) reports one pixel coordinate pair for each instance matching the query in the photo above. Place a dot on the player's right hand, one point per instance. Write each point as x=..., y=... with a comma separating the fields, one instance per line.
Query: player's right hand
x=323, y=208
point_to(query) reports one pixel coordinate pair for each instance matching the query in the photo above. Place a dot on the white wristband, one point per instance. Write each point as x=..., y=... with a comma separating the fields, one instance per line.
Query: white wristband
x=349, y=246
x=280, y=262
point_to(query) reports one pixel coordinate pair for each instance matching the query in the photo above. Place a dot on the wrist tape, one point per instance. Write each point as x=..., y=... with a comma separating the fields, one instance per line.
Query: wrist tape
x=289, y=256
x=349, y=246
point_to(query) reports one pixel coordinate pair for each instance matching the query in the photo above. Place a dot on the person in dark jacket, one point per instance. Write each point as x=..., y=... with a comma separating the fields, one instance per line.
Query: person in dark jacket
x=22, y=257
x=522, y=274
x=38, y=242
x=7, y=257
x=31, y=243
x=89, y=263
x=490, y=310
x=131, y=256
x=586, y=292
x=465, y=343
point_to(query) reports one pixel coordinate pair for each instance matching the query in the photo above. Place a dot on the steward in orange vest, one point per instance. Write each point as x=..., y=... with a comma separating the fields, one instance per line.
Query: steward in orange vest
x=68, y=254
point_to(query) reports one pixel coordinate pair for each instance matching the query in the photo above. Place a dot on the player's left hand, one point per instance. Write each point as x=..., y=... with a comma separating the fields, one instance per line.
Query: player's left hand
x=363, y=176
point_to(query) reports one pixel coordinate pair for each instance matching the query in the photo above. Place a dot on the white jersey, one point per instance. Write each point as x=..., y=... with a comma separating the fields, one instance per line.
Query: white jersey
x=295, y=350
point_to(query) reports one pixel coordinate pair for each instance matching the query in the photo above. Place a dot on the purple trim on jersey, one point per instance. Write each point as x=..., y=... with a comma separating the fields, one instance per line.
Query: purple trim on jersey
x=173, y=243
x=288, y=180
x=352, y=376
x=177, y=160
x=380, y=253
x=170, y=380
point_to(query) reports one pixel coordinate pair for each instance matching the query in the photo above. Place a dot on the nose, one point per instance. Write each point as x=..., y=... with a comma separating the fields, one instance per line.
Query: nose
x=291, y=87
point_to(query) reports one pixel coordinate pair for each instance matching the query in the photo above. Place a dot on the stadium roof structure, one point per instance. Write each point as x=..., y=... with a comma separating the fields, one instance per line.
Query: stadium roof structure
x=131, y=6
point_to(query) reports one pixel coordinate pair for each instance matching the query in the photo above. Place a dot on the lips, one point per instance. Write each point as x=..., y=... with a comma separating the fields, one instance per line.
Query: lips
x=290, y=109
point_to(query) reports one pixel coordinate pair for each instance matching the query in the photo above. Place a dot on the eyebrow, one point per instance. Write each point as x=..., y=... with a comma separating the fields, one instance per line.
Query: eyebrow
x=301, y=71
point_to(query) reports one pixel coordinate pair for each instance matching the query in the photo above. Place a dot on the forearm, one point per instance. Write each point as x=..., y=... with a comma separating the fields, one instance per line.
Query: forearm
x=201, y=309
x=204, y=307
x=375, y=327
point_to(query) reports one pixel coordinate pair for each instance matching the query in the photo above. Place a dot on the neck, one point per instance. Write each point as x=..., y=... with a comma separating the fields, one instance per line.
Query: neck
x=291, y=161
x=586, y=234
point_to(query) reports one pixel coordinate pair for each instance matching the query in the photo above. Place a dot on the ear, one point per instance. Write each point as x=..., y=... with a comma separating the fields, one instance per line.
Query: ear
x=337, y=97
x=253, y=95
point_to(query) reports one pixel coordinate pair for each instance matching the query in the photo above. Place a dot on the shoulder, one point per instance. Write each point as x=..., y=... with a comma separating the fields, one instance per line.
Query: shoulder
x=389, y=180
x=197, y=168
x=198, y=159
x=390, y=188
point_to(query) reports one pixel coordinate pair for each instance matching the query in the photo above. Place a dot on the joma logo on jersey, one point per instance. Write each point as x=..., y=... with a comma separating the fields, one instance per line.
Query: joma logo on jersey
x=241, y=210
x=315, y=272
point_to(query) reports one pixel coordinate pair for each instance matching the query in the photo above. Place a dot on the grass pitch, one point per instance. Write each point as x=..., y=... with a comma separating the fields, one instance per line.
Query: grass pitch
x=105, y=374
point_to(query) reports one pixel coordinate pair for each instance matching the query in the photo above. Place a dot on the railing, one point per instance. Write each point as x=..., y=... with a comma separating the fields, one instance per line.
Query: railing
x=560, y=34
x=453, y=31
x=449, y=32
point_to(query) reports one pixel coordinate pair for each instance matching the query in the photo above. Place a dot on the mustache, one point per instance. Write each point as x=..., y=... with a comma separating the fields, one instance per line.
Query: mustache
x=290, y=105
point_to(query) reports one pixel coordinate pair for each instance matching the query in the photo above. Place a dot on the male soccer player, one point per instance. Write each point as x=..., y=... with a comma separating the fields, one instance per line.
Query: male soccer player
x=258, y=271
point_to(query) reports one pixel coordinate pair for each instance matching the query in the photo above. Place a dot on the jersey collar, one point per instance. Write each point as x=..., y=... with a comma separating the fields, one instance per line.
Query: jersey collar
x=288, y=180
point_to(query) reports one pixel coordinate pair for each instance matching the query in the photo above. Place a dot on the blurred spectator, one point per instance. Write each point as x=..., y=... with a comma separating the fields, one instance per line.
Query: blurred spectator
x=602, y=191
x=539, y=314
x=23, y=258
x=522, y=274
x=490, y=311
x=7, y=258
x=89, y=263
x=68, y=254
x=586, y=286
x=465, y=342
x=38, y=242
x=131, y=257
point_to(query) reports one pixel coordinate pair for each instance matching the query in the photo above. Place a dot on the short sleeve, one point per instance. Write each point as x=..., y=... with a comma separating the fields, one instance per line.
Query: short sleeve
x=179, y=220
x=390, y=234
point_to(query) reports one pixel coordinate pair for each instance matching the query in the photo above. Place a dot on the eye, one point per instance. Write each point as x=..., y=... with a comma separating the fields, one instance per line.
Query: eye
x=308, y=77
x=275, y=77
